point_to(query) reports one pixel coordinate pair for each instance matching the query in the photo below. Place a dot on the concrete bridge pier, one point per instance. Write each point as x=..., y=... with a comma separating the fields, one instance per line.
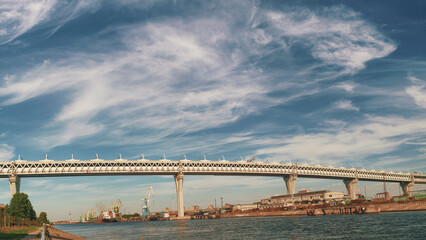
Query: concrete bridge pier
x=290, y=183
x=351, y=187
x=15, y=184
x=179, y=193
x=407, y=187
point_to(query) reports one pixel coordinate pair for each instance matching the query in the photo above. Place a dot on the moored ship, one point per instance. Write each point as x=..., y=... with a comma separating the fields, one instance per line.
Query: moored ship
x=109, y=216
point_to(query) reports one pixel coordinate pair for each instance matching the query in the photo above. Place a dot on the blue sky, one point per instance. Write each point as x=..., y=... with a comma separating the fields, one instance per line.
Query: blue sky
x=337, y=83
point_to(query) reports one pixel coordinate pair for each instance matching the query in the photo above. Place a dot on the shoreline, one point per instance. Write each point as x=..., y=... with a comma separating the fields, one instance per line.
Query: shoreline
x=267, y=226
x=369, y=209
x=54, y=234
x=350, y=209
x=343, y=210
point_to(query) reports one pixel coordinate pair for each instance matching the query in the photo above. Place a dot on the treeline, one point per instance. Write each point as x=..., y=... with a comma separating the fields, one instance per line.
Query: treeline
x=20, y=212
x=129, y=216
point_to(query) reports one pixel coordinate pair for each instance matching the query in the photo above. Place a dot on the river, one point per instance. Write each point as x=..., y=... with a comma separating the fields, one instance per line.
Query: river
x=402, y=225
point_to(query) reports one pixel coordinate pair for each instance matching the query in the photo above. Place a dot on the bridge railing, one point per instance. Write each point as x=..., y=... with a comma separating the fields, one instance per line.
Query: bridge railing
x=121, y=166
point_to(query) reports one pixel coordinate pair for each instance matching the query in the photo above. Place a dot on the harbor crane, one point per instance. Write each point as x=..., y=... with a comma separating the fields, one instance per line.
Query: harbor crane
x=115, y=207
x=109, y=211
x=145, y=203
x=87, y=217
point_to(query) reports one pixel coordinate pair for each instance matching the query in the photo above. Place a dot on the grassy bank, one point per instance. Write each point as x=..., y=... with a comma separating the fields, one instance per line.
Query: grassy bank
x=16, y=233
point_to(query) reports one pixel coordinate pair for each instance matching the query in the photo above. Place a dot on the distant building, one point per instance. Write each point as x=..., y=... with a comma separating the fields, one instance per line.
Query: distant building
x=210, y=208
x=304, y=196
x=244, y=207
x=227, y=205
x=164, y=215
x=383, y=195
x=195, y=208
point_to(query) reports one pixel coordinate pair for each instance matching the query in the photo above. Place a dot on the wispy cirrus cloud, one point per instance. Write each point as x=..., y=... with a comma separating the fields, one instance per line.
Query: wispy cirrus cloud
x=6, y=152
x=149, y=85
x=347, y=86
x=417, y=91
x=345, y=105
x=178, y=77
x=336, y=39
x=19, y=17
x=377, y=135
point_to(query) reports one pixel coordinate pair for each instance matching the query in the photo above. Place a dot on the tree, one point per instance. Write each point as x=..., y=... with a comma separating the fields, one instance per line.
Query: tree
x=21, y=207
x=43, y=218
x=136, y=215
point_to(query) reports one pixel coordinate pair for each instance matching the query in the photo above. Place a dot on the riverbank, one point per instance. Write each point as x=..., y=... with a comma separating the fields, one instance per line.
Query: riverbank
x=341, y=210
x=54, y=234
x=404, y=225
x=370, y=208
x=13, y=233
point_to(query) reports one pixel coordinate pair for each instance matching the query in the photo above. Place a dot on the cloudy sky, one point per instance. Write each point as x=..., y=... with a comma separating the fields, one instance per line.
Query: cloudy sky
x=339, y=83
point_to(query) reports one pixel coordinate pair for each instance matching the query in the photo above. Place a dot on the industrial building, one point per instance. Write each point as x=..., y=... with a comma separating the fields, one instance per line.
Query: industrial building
x=245, y=207
x=304, y=197
x=195, y=209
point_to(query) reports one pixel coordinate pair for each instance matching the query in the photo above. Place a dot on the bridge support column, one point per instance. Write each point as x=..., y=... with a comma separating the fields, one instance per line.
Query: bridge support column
x=351, y=187
x=290, y=183
x=15, y=184
x=407, y=187
x=179, y=193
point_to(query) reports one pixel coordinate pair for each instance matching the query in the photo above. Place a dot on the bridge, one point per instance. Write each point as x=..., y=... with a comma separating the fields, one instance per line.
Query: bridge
x=15, y=170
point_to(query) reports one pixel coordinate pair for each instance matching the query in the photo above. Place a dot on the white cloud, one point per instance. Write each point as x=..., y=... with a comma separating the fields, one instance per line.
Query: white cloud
x=343, y=40
x=417, y=91
x=345, y=105
x=347, y=86
x=377, y=135
x=178, y=77
x=399, y=161
x=259, y=36
x=59, y=134
x=145, y=87
x=6, y=152
x=18, y=17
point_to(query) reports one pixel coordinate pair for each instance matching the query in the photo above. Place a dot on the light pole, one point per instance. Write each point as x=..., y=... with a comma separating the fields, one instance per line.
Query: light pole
x=365, y=192
x=173, y=203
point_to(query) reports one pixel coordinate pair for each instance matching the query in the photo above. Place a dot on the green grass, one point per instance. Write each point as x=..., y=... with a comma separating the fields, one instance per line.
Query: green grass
x=12, y=234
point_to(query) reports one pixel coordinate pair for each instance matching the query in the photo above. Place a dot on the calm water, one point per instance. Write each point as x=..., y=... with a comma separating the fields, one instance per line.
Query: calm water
x=406, y=225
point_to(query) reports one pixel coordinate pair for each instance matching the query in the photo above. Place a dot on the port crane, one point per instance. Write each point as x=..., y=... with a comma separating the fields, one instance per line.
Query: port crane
x=109, y=211
x=116, y=208
x=87, y=217
x=145, y=203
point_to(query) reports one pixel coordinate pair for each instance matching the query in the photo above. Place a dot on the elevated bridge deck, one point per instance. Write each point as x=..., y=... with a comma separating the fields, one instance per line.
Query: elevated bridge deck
x=50, y=168
x=16, y=170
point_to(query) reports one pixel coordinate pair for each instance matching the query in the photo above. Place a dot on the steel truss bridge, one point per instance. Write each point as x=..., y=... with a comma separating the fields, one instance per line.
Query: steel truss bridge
x=15, y=170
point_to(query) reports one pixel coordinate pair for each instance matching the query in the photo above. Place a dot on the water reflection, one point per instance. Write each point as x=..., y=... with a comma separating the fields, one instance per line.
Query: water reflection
x=407, y=225
x=181, y=229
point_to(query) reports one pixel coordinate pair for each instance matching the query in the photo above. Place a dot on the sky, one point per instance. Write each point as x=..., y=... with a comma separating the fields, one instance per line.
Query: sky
x=338, y=83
